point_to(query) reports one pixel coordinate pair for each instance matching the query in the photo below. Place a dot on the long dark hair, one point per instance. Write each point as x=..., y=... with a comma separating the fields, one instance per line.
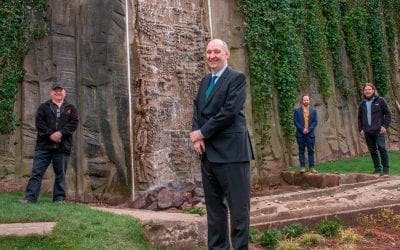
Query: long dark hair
x=368, y=84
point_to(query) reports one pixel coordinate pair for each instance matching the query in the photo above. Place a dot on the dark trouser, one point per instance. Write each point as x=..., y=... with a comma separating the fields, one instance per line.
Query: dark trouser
x=230, y=181
x=303, y=142
x=376, y=143
x=41, y=161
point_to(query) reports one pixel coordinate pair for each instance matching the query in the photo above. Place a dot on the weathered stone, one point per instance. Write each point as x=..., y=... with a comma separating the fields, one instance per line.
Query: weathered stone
x=330, y=180
x=165, y=198
x=348, y=178
x=288, y=177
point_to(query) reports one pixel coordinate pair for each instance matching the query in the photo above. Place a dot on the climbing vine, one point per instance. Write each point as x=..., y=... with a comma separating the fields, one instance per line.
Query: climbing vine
x=19, y=26
x=377, y=43
x=315, y=35
x=275, y=57
x=288, y=41
x=390, y=31
x=331, y=11
x=356, y=40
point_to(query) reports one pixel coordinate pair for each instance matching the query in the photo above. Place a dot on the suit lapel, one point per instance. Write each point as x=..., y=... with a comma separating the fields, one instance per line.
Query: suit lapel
x=220, y=82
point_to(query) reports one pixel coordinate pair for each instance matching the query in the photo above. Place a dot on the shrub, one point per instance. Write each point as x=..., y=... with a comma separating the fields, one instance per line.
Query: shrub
x=311, y=239
x=329, y=228
x=254, y=234
x=294, y=230
x=287, y=245
x=388, y=218
x=269, y=238
x=349, y=236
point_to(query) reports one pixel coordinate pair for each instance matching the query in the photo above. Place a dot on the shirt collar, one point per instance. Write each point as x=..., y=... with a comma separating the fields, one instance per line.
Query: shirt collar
x=221, y=71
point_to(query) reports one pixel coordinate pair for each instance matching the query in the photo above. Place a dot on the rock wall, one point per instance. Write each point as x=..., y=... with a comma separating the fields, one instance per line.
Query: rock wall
x=87, y=51
x=118, y=149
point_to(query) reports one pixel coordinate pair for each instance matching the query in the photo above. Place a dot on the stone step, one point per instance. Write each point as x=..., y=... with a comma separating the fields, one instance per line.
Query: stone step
x=23, y=229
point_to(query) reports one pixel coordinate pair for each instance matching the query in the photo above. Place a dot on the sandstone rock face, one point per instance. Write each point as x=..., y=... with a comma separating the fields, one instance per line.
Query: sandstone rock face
x=117, y=150
x=133, y=133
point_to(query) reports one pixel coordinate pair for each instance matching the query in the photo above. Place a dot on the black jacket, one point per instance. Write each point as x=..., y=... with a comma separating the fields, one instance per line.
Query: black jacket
x=47, y=123
x=380, y=116
x=221, y=118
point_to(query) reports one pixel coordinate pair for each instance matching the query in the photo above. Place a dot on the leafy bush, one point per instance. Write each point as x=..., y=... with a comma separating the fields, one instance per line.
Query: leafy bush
x=294, y=230
x=269, y=238
x=254, y=234
x=329, y=228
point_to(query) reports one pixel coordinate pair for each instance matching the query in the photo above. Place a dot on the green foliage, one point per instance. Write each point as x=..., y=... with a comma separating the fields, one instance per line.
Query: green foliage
x=269, y=238
x=18, y=28
x=290, y=42
x=196, y=210
x=294, y=230
x=331, y=11
x=314, y=30
x=389, y=15
x=311, y=239
x=349, y=235
x=329, y=228
x=377, y=42
x=275, y=59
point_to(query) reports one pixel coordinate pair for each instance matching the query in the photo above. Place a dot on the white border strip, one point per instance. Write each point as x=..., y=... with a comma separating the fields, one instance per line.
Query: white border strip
x=128, y=58
x=210, y=19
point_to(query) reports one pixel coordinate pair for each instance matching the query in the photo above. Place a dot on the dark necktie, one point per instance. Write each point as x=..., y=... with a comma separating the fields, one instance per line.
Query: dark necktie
x=211, y=85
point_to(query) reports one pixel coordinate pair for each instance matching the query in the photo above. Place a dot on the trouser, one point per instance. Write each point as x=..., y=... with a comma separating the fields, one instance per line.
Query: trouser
x=303, y=142
x=230, y=181
x=41, y=161
x=376, y=143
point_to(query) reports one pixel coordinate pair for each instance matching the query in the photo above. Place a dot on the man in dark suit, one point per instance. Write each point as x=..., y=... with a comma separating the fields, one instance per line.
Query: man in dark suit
x=219, y=134
x=305, y=120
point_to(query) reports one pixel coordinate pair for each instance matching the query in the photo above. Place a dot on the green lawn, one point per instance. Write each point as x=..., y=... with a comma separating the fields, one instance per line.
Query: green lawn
x=362, y=164
x=78, y=226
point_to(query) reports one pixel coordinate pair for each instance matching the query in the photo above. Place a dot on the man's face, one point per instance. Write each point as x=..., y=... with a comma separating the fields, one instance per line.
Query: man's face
x=217, y=55
x=58, y=95
x=306, y=101
x=368, y=91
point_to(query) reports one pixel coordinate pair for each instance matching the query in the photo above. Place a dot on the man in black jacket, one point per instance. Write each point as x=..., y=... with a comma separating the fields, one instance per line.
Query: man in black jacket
x=56, y=120
x=373, y=120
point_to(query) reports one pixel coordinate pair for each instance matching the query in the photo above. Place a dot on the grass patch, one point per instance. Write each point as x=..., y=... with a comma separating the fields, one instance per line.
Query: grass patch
x=361, y=164
x=78, y=226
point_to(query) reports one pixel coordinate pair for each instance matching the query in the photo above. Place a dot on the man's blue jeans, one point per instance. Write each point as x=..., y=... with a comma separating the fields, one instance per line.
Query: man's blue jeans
x=303, y=142
x=376, y=143
x=41, y=161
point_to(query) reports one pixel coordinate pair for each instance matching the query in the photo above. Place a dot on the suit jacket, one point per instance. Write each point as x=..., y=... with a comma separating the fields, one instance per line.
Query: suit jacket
x=298, y=118
x=221, y=119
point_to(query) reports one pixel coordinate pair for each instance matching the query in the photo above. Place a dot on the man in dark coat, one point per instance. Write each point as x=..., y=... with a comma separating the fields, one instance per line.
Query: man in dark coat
x=219, y=134
x=56, y=120
x=305, y=120
x=373, y=120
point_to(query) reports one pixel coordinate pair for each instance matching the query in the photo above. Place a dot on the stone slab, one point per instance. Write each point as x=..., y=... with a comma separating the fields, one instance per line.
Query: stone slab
x=22, y=229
